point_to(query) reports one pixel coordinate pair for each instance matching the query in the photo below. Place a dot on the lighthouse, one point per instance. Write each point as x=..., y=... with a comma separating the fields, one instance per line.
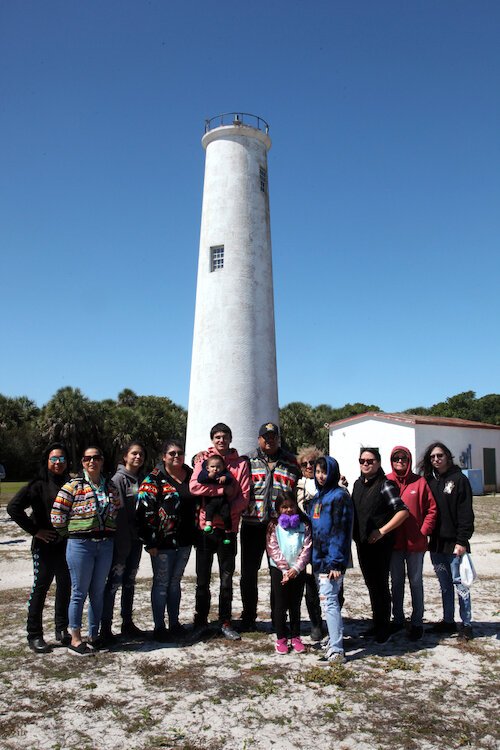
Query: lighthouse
x=233, y=366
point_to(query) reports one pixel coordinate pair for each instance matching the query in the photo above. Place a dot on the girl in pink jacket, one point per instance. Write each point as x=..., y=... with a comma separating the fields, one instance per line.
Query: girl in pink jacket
x=288, y=545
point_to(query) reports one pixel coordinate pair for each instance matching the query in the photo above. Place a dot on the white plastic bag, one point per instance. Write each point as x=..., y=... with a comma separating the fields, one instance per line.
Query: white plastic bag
x=467, y=570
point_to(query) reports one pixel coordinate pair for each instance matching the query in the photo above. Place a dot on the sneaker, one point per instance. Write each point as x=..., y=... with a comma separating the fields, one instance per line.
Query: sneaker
x=178, y=631
x=229, y=633
x=62, y=636
x=332, y=657
x=415, y=633
x=383, y=635
x=444, y=627
x=247, y=626
x=97, y=644
x=397, y=627
x=161, y=635
x=107, y=637
x=83, y=649
x=281, y=646
x=316, y=634
x=466, y=633
x=39, y=646
x=298, y=646
x=130, y=630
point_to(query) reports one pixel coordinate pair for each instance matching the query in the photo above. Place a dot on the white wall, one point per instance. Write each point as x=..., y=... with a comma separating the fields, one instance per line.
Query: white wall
x=347, y=439
x=457, y=440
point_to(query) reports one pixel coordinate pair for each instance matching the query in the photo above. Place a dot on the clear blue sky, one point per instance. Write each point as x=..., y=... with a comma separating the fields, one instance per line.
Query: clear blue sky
x=384, y=184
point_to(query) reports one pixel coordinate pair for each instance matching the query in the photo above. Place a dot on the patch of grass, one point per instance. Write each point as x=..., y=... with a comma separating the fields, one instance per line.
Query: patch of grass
x=333, y=708
x=399, y=662
x=334, y=674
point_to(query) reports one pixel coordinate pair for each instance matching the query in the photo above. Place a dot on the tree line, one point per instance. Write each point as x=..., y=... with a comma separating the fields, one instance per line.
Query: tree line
x=72, y=418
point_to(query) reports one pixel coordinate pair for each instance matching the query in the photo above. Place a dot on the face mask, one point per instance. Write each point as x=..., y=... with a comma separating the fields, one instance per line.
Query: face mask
x=289, y=522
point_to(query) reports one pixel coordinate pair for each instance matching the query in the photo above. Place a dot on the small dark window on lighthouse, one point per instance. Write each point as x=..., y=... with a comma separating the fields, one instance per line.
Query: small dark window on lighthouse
x=216, y=257
x=263, y=179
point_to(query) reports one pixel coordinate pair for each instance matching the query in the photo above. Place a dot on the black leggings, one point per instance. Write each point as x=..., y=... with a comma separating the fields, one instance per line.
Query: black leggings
x=49, y=562
x=286, y=598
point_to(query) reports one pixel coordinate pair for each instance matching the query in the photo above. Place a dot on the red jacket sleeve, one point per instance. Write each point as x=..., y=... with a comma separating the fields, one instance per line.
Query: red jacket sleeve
x=430, y=511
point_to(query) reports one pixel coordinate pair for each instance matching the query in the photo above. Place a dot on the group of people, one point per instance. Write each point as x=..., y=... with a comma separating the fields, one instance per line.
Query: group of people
x=89, y=532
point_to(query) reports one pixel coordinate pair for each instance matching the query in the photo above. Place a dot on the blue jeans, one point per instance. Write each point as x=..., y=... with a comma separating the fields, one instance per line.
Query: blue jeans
x=123, y=573
x=89, y=562
x=414, y=565
x=168, y=568
x=329, y=599
x=447, y=569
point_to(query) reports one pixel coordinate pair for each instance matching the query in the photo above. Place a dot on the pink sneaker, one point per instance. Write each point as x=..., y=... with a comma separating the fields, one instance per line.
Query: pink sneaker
x=281, y=646
x=298, y=646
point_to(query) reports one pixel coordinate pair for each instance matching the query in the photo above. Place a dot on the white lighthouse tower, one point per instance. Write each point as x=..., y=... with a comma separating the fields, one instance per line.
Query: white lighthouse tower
x=233, y=368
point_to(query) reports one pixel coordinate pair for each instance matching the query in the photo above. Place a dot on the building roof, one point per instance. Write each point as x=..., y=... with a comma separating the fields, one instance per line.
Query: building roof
x=414, y=419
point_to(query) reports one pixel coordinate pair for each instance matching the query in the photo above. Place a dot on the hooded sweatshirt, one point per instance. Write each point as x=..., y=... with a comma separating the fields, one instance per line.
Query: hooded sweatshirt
x=418, y=498
x=127, y=485
x=455, y=522
x=331, y=518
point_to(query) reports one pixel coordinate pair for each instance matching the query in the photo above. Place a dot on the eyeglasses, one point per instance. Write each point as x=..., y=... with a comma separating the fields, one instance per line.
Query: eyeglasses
x=306, y=463
x=88, y=459
x=57, y=460
x=400, y=459
x=369, y=461
x=173, y=454
x=436, y=456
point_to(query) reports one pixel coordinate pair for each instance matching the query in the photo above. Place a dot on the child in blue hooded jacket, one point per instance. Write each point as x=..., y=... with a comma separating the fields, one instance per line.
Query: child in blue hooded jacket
x=332, y=519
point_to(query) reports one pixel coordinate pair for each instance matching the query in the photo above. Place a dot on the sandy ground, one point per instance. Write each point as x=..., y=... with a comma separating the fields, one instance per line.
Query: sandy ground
x=220, y=695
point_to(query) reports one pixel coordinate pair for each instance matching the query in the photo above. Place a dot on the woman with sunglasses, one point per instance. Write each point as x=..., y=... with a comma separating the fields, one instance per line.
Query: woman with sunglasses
x=306, y=490
x=451, y=535
x=378, y=511
x=48, y=548
x=85, y=511
x=166, y=523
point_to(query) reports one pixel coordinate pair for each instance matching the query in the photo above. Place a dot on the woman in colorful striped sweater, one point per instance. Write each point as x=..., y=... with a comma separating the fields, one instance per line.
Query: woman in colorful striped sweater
x=85, y=511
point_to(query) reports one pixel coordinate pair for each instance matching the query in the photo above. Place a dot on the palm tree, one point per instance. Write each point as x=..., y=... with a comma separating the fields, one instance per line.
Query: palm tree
x=70, y=418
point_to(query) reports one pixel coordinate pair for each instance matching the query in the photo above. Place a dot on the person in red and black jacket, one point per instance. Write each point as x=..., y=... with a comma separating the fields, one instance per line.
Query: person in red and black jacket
x=410, y=540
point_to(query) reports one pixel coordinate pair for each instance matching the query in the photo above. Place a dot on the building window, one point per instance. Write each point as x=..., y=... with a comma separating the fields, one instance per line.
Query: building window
x=263, y=179
x=216, y=257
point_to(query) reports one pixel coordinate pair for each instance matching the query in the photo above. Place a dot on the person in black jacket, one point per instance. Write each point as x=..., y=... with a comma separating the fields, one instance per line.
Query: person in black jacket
x=165, y=518
x=378, y=510
x=450, y=538
x=48, y=548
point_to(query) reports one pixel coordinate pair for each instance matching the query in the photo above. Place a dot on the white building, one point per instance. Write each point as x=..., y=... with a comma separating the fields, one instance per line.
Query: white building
x=233, y=366
x=475, y=446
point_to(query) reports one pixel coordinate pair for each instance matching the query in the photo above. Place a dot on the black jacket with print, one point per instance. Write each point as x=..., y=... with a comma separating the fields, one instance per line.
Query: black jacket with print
x=455, y=524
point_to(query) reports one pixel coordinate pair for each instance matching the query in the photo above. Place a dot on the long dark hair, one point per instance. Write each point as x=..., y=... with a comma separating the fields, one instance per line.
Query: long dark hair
x=425, y=466
x=44, y=472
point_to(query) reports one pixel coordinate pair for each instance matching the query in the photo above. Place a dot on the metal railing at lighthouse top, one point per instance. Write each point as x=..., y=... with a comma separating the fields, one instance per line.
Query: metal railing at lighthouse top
x=236, y=118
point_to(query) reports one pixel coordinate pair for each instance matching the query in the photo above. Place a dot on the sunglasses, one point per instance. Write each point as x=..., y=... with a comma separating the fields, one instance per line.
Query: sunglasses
x=57, y=460
x=400, y=459
x=435, y=456
x=173, y=454
x=369, y=461
x=88, y=459
x=306, y=463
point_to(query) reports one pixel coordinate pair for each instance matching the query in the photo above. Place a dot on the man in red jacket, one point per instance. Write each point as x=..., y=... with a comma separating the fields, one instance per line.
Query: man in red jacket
x=410, y=540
